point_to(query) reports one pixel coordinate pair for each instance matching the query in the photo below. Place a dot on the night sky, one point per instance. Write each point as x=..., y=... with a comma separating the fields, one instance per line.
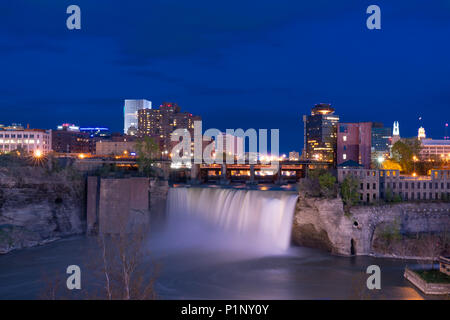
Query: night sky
x=238, y=64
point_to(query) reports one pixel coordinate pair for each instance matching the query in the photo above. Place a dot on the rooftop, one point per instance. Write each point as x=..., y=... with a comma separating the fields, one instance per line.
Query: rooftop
x=431, y=142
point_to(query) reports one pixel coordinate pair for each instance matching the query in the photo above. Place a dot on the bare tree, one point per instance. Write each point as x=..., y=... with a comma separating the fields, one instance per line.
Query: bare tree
x=117, y=268
x=430, y=246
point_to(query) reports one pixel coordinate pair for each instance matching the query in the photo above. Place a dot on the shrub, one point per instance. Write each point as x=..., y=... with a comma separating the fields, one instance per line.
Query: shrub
x=349, y=191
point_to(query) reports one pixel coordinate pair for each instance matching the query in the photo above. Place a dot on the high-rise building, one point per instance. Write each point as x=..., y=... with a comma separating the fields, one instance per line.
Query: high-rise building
x=381, y=138
x=320, y=133
x=354, y=142
x=131, y=109
x=160, y=123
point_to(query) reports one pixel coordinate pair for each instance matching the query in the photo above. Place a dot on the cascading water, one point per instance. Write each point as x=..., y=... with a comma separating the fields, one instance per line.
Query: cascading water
x=263, y=217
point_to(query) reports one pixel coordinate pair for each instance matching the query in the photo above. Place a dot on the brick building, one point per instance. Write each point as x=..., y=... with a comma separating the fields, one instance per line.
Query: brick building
x=380, y=184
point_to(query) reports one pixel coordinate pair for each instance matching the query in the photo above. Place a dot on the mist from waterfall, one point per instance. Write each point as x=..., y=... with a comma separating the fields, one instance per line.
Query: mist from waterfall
x=230, y=219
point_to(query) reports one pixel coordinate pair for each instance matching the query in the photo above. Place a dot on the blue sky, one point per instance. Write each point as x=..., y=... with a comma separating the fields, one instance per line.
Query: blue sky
x=238, y=64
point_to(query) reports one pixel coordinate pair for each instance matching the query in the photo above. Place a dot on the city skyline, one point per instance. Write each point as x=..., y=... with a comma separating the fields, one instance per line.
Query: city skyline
x=235, y=69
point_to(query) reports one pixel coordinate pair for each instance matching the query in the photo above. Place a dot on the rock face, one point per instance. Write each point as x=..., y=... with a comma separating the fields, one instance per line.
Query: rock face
x=321, y=223
x=37, y=207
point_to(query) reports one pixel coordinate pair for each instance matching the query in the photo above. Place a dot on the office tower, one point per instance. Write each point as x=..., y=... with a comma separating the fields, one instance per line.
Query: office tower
x=160, y=123
x=381, y=138
x=131, y=109
x=320, y=132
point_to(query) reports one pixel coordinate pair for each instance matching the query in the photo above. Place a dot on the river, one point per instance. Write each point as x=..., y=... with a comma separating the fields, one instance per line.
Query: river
x=231, y=246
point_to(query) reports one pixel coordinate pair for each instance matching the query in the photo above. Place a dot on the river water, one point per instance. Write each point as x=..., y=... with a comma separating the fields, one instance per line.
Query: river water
x=214, y=251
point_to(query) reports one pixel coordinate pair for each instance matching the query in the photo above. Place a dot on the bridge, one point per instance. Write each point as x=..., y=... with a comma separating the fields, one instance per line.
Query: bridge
x=289, y=171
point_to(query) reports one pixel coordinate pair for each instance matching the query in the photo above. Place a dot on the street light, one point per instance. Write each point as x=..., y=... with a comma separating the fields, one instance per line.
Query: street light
x=414, y=160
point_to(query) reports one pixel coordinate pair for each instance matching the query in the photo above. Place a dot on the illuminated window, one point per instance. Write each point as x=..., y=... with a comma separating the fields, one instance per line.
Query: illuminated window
x=344, y=156
x=344, y=138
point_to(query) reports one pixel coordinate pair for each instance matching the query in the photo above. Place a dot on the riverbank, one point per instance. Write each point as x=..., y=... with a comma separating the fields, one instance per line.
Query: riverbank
x=402, y=231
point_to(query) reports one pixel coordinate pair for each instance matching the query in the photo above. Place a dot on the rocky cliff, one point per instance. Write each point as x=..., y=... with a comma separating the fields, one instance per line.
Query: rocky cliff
x=37, y=206
x=322, y=223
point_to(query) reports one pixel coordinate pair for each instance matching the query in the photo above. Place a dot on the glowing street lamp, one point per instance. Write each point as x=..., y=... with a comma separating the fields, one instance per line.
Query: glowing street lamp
x=37, y=154
x=414, y=160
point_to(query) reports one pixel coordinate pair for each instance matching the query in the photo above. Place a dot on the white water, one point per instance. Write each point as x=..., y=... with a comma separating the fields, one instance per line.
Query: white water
x=241, y=216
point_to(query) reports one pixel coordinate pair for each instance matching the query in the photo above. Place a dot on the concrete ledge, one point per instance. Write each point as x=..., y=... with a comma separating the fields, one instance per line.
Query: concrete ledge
x=426, y=287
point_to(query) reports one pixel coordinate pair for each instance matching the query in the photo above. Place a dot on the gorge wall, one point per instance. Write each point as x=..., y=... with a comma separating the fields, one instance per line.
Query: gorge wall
x=37, y=206
x=322, y=223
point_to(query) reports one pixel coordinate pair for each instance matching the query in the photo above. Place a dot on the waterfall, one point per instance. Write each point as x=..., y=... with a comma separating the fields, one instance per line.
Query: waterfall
x=265, y=217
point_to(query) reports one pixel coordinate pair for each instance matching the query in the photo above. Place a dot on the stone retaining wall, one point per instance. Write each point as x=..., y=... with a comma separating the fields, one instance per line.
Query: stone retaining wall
x=426, y=287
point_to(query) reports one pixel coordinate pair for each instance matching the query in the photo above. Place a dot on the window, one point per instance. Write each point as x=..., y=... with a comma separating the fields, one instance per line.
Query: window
x=344, y=138
x=344, y=156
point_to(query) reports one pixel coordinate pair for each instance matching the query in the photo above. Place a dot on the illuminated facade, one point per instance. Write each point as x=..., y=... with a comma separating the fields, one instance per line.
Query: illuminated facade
x=160, y=123
x=25, y=140
x=421, y=135
x=435, y=150
x=294, y=156
x=131, y=109
x=396, y=133
x=320, y=134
